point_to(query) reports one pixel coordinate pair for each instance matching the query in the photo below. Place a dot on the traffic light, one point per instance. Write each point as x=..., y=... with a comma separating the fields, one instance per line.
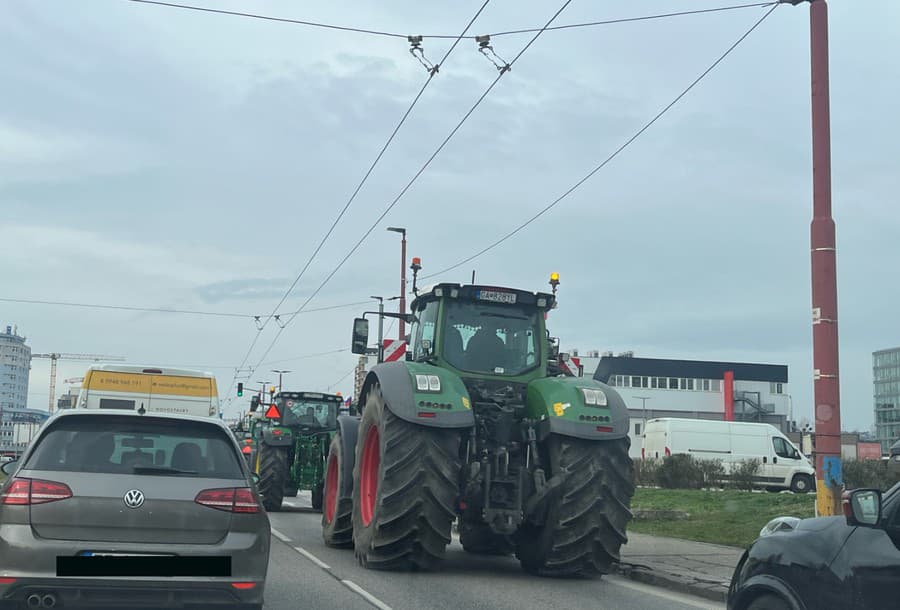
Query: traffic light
x=254, y=403
x=240, y=389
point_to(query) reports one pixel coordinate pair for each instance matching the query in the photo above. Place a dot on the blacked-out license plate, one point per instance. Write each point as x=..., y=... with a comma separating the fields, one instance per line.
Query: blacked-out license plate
x=122, y=564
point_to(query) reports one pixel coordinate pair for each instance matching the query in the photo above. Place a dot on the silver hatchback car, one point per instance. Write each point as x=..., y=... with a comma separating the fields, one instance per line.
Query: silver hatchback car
x=112, y=509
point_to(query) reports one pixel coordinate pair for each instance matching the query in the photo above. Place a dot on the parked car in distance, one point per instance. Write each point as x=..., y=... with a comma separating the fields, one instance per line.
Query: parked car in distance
x=118, y=509
x=782, y=465
x=850, y=562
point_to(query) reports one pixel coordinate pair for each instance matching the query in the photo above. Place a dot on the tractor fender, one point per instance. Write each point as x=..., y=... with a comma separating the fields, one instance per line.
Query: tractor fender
x=284, y=439
x=348, y=429
x=559, y=405
x=448, y=407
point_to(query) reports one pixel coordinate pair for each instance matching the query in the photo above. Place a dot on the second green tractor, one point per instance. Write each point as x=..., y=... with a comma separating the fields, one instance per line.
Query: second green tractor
x=291, y=437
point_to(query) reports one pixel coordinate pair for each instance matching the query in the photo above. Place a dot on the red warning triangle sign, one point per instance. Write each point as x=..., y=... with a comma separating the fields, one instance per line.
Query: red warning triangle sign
x=272, y=412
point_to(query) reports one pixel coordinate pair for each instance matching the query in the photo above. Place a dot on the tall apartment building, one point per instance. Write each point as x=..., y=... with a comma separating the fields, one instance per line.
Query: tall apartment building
x=15, y=364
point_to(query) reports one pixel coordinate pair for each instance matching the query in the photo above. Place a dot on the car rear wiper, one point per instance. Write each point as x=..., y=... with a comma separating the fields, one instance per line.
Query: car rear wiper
x=160, y=470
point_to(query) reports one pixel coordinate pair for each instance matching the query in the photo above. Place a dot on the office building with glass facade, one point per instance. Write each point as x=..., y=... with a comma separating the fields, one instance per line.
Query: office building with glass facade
x=886, y=377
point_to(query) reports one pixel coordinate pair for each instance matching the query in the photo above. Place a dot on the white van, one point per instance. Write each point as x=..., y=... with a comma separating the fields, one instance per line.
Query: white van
x=781, y=463
x=157, y=389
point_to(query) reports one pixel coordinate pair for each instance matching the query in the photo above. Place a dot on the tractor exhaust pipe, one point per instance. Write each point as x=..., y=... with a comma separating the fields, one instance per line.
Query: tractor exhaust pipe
x=48, y=601
x=33, y=601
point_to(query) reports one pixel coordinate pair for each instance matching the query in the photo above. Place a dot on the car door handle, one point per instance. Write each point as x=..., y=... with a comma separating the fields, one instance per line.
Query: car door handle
x=774, y=460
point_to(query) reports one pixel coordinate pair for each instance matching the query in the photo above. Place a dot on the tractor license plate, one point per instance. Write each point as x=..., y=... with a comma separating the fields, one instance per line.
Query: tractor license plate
x=497, y=297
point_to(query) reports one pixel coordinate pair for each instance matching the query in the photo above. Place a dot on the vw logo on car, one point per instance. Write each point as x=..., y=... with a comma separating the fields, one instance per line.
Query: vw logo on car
x=134, y=498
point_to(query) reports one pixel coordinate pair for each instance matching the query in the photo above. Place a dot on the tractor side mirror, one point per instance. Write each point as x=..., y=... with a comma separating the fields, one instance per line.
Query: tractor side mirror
x=360, y=336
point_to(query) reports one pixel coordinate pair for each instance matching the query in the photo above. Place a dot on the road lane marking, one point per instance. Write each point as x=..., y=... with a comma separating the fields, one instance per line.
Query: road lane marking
x=312, y=558
x=365, y=595
x=687, y=600
x=280, y=536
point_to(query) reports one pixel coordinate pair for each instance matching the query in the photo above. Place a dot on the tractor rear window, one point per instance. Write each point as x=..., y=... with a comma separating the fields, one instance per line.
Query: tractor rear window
x=137, y=445
x=491, y=339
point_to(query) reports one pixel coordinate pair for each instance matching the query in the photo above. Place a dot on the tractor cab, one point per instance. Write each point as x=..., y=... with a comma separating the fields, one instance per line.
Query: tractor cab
x=482, y=331
x=308, y=412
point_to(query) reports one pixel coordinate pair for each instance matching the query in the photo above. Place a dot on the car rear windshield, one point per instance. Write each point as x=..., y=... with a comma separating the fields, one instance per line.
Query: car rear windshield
x=136, y=445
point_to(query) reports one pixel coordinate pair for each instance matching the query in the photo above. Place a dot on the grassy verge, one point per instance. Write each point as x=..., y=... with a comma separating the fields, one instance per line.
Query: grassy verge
x=722, y=517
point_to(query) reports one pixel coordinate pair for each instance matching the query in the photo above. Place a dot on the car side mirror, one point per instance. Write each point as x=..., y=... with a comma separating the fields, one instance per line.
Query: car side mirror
x=8, y=468
x=360, y=336
x=862, y=507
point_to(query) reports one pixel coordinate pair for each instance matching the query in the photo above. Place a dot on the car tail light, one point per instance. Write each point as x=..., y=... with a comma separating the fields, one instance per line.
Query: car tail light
x=231, y=499
x=668, y=452
x=604, y=429
x=25, y=492
x=243, y=586
x=7, y=581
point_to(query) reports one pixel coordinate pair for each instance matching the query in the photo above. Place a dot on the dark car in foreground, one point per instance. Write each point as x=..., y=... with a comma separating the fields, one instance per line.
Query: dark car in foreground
x=849, y=562
x=109, y=509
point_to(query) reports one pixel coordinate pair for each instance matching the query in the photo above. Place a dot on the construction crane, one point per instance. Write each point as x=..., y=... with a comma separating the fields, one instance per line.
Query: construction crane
x=53, y=357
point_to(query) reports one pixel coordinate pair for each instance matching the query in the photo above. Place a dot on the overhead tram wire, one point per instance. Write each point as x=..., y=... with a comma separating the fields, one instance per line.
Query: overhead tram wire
x=192, y=312
x=368, y=173
x=417, y=174
x=612, y=156
x=372, y=32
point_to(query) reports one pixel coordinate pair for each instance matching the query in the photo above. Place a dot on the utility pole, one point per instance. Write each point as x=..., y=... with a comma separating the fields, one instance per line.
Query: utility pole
x=826, y=386
x=264, y=384
x=280, y=373
x=402, y=232
x=380, y=328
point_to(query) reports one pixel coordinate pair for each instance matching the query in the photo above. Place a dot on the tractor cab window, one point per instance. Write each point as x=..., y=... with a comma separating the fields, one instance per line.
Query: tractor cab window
x=490, y=338
x=314, y=414
x=426, y=320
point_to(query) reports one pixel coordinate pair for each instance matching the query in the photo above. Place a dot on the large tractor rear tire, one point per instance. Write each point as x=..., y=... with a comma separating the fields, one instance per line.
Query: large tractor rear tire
x=337, y=513
x=586, y=519
x=479, y=539
x=273, y=474
x=405, y=485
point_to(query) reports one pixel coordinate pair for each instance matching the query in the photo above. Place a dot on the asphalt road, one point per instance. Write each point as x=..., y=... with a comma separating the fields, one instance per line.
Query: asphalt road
x=304, y=573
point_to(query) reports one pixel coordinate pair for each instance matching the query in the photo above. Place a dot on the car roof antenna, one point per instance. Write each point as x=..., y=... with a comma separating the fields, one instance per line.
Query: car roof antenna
x=142, y=410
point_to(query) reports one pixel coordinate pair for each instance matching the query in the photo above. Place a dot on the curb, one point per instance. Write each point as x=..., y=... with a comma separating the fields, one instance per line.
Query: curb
x=708, y=590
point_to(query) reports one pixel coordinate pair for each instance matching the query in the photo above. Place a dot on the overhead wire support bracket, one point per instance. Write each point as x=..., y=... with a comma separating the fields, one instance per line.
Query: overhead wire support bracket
x=484, y=47
x=278, y=321
x=259, y=325
x=416, y=50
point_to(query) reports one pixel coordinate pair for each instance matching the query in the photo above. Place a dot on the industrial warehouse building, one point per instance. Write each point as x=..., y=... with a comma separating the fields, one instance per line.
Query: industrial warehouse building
x=655, y=387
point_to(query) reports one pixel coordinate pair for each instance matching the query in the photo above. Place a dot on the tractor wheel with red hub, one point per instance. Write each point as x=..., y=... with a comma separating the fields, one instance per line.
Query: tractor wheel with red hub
x=337, y=508
x=405, y=484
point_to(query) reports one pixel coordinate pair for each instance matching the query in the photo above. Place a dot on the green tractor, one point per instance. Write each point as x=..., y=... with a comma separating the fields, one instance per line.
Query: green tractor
x=291, y=445
x=479, y=426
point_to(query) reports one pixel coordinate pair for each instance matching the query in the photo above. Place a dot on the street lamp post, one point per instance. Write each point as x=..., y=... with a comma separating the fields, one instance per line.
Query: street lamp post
x=280, y=373
x=402, y=232
x=643, y=400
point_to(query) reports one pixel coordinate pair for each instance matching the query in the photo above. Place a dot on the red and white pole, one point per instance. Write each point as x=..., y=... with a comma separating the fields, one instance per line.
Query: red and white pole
x=824, y=278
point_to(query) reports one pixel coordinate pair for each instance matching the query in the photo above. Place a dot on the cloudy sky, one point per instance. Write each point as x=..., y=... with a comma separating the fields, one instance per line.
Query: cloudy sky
x=157, y=157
